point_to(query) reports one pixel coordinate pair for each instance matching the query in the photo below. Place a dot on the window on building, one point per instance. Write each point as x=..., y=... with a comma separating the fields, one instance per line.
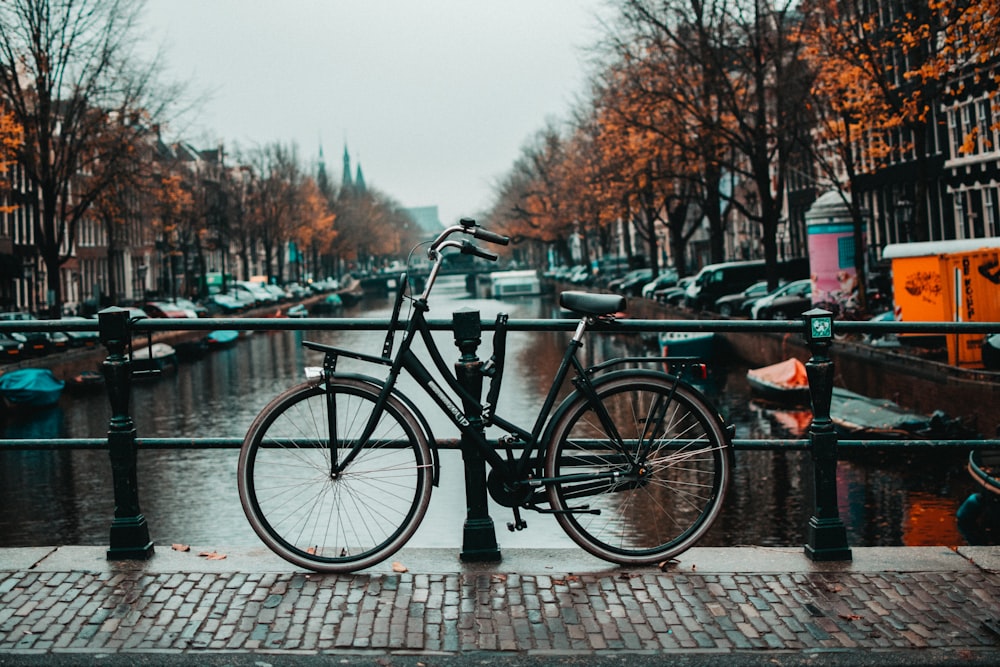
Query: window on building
x=955, y=132
x=991, y=209
x=984, y=120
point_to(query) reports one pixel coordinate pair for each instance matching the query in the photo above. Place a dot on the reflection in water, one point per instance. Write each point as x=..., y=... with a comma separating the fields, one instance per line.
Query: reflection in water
x=190, y=496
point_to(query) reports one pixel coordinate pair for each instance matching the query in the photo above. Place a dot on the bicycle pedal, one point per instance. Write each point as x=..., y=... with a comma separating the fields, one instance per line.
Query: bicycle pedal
x=516, y=525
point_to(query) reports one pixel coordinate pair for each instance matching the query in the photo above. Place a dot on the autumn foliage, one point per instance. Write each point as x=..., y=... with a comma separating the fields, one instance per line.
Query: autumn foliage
x=699, y=113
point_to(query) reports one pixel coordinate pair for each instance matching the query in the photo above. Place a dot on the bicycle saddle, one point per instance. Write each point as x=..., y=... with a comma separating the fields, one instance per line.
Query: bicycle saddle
x=589, y=303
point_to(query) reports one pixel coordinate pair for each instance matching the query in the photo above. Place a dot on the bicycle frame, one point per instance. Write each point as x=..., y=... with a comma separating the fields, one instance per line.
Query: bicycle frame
x=516, y=470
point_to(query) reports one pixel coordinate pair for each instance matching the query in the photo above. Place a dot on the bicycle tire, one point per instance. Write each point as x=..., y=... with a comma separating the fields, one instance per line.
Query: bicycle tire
x=688, y=468
x=329, y=523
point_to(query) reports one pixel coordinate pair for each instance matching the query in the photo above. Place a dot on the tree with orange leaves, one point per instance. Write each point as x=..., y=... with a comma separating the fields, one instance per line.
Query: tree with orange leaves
x=882, y=75
x=312, y=229
x=11, y=138
x=71, y=75
x=174, y=210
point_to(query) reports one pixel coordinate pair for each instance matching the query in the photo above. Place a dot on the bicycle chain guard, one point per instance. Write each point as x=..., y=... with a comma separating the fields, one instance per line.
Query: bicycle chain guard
x=504, y=492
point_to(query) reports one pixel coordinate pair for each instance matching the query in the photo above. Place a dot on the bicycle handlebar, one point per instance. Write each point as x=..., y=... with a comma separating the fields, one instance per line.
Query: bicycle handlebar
x=465, y=226
x=489, y=236
x=469, y=249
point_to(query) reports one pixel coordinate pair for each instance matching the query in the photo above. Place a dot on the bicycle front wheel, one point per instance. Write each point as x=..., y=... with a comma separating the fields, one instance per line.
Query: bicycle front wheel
x=307, y=510
x=652, y=464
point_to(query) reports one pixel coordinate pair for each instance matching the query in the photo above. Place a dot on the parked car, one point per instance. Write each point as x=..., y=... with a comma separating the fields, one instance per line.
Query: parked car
x=82, y=338
x=165, y=309
x=739, y=304
x=278, y=293
x=786, y=302
x=716, y=280
x=297, y=290
x=34, y=343
x=135, y=313
x=193, y=309
x=224, y=304
x=674, y=296
x=667, y=278
x=246, y=290
x=631, y=283
x=10, y=348
x=59, y=341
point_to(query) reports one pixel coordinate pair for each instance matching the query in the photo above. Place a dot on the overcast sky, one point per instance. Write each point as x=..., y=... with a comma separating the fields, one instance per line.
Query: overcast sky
x=434, y=97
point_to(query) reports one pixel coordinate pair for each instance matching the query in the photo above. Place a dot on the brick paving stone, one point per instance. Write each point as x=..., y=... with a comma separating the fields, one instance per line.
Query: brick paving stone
x=496, y=612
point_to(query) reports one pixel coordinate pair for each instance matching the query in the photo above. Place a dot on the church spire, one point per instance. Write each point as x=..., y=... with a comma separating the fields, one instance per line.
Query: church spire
x=322, y=180
x=345, y=181
x=359, y=180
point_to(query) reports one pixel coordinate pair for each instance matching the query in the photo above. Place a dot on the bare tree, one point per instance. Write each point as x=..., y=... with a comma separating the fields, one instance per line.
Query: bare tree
x=71, y=77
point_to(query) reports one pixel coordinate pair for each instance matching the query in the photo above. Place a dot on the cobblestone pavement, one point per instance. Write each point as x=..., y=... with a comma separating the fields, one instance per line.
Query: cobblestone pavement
x=80, y=605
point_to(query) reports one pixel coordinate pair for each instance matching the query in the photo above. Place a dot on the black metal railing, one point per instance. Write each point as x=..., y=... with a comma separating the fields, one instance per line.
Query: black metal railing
x=826, y=533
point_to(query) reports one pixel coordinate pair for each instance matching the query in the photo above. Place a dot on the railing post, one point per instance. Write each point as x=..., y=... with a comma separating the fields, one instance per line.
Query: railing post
x=827, y=536
x=479, y=542
x=129, y=532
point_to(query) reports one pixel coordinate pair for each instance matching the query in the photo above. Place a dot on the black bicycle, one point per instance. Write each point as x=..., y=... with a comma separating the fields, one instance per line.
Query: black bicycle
x=335, y=474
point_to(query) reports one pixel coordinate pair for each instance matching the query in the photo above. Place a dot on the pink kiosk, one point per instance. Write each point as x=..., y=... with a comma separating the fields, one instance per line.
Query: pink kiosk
x=830, y=232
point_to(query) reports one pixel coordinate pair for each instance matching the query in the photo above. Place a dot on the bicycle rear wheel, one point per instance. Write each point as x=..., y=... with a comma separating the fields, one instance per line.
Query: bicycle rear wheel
x=673, y=463
x=334, y=522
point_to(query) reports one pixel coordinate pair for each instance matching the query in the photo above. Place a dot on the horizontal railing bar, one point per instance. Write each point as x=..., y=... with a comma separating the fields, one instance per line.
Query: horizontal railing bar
x=569, y=324
x=454, y=443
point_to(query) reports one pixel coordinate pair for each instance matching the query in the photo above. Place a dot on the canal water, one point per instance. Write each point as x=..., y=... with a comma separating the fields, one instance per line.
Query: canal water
x=190, y=496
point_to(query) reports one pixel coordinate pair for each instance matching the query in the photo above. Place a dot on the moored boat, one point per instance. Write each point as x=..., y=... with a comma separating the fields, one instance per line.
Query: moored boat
x=30, y=388
x=699, y=344
x=785, y=382
x=84, y=381
x=332, y=303
x=857, y=415
x=154, y=358
x=221, y=339
x=853, y=414
x=979, y=515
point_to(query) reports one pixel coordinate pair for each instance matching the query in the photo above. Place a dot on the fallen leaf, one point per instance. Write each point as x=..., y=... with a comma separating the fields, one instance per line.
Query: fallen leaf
x=212, y=555
x=180, y=547
x=311, y=551
x=398, y=567
x=834, y=588
x=850, y=617
x=669, y=564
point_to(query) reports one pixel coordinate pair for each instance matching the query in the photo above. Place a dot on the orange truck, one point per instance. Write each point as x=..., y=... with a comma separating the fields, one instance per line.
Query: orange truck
x=948, y=281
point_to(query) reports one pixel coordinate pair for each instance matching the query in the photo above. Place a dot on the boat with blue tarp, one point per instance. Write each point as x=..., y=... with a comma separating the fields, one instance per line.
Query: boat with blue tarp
x=223, y=338
x=699, y=344
x=30, y=388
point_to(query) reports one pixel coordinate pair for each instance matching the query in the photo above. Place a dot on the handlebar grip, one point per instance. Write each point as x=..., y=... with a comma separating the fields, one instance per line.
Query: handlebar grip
x=469, y=249
x=489, y=236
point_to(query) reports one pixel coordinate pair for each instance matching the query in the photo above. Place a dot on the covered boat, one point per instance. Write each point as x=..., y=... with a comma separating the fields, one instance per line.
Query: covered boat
x=30, y=388
x=699, y=344
x=154, y=358
x=855, y=414
x=785, y=382
x=222, y=338
x=84, y=381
